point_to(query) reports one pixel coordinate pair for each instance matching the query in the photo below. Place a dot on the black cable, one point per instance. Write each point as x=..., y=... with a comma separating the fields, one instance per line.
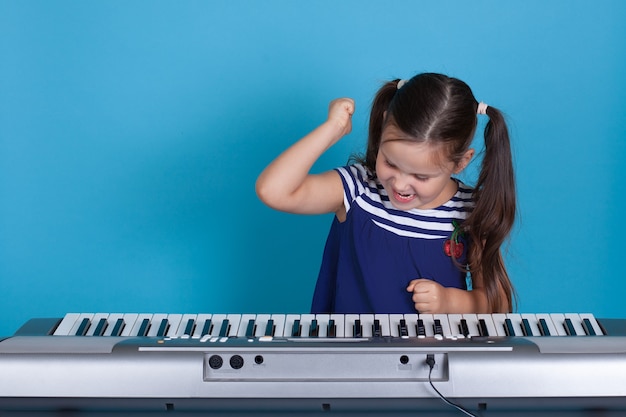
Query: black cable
x=430, y=360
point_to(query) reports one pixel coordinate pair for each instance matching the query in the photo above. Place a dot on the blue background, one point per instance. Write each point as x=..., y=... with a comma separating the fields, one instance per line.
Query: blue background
x=132, y=133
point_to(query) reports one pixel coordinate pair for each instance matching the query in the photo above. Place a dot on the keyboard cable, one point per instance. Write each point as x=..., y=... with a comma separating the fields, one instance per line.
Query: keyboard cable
x=430, y=361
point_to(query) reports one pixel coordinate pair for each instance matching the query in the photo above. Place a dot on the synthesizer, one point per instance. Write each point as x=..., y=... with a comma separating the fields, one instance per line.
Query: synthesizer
x=323, y=362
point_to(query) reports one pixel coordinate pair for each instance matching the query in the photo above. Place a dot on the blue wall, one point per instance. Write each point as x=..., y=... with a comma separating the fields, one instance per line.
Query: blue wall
x=132, y=132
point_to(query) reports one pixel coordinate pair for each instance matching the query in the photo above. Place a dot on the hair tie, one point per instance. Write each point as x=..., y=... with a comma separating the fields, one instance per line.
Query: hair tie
x=401, y=83
x=482, y=108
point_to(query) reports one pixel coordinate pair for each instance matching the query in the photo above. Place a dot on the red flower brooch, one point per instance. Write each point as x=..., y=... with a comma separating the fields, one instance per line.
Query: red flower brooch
x=452, y=246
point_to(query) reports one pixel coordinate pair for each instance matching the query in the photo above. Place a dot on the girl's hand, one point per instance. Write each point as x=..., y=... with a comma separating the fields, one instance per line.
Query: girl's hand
x=340, y=113
x=429, y=296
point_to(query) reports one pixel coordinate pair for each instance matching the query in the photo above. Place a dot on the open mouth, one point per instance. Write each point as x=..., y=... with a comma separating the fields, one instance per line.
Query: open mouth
x=404, y=198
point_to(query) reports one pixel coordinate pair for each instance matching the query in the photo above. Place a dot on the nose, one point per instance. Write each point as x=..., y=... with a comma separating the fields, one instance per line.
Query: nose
x=401, y=182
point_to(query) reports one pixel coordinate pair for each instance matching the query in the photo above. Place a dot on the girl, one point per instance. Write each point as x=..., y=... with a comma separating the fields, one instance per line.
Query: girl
x=406, y=233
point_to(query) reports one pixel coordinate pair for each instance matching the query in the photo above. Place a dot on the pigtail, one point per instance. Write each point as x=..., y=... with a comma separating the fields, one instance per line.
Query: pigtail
x=379, y=107
x=493, y=215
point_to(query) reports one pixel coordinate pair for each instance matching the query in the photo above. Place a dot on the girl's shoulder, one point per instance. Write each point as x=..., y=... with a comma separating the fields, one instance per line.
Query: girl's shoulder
x=464, y=192
x=357, y=179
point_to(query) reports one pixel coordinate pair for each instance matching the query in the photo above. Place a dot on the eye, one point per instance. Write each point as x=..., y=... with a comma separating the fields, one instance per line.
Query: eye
x=389, y=164
x=421, y=178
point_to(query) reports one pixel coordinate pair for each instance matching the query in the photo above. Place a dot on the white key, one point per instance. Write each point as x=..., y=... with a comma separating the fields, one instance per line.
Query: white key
x=261, y=324
x=138, y=323
x=558, y=321
x=129, y=323
x=445, y=325
x=411, y=323
x=367, y=321
x=498, y=322
x=173, y=321
x=182, y=327
x=349, y=323
x=79, y=321
x=290, y=319
x=279, y=324
x=384, y=324
x=243, y=325
x=322, y=324
x=455, y=325
x=233, y=323
x=217, y=320
x=305, y=322
x=394, y=324
x=429, y=322
x=64, y=328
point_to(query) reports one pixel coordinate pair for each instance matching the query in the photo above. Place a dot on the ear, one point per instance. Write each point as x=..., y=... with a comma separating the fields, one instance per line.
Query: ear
x=465, y=160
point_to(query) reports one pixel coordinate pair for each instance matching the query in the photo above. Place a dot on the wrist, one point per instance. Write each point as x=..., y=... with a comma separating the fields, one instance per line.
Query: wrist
x=334, y=130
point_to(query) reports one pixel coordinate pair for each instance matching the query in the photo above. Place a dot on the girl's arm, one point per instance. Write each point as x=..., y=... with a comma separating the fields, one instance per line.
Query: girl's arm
x=431, y=297
x=286, y=183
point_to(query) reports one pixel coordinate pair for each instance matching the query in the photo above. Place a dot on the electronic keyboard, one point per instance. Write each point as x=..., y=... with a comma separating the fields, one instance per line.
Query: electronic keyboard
x=323, y=362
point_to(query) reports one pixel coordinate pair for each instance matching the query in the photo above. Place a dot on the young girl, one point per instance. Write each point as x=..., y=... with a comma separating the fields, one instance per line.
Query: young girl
x=406, y=233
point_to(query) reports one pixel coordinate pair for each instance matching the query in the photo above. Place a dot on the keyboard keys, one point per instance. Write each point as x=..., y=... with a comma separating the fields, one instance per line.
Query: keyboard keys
x=592, y=328
x=306, y=320
x=405, y=326
x=314, y=330
x=100, y=327
x=118, y=327
x=486, y=325
x=158, y=325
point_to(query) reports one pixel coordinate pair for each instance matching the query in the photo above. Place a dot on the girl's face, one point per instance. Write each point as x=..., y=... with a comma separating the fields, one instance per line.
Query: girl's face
x=415, y=175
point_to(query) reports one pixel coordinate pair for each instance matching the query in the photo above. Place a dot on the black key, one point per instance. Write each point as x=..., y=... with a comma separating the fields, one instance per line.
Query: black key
x=482, y=328
x=207, y=328
x=509, y=330
x=163, y=327
x=84, y=326
x=143, y=329
x=402, y=329
x=191, y=324
x=437, y=327
x=314, y=330
x=225, y=328
x=420, y=328
x=569, y=327
x=269, y=328
x=296, y=329
x=543, y=327
x=118, y=327
x=526, y=329
x=463, y=329
x=251, y=328
x=101, y=327
x=357, y=330
x=376, y=330
x=332, y=328
x=589, y=328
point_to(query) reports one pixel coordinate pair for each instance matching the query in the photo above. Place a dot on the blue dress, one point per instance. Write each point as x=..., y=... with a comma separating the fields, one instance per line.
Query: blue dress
x=370, y=258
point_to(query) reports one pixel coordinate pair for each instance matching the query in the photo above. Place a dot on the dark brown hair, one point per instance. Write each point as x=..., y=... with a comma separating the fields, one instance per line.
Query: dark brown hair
x=437, y=109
